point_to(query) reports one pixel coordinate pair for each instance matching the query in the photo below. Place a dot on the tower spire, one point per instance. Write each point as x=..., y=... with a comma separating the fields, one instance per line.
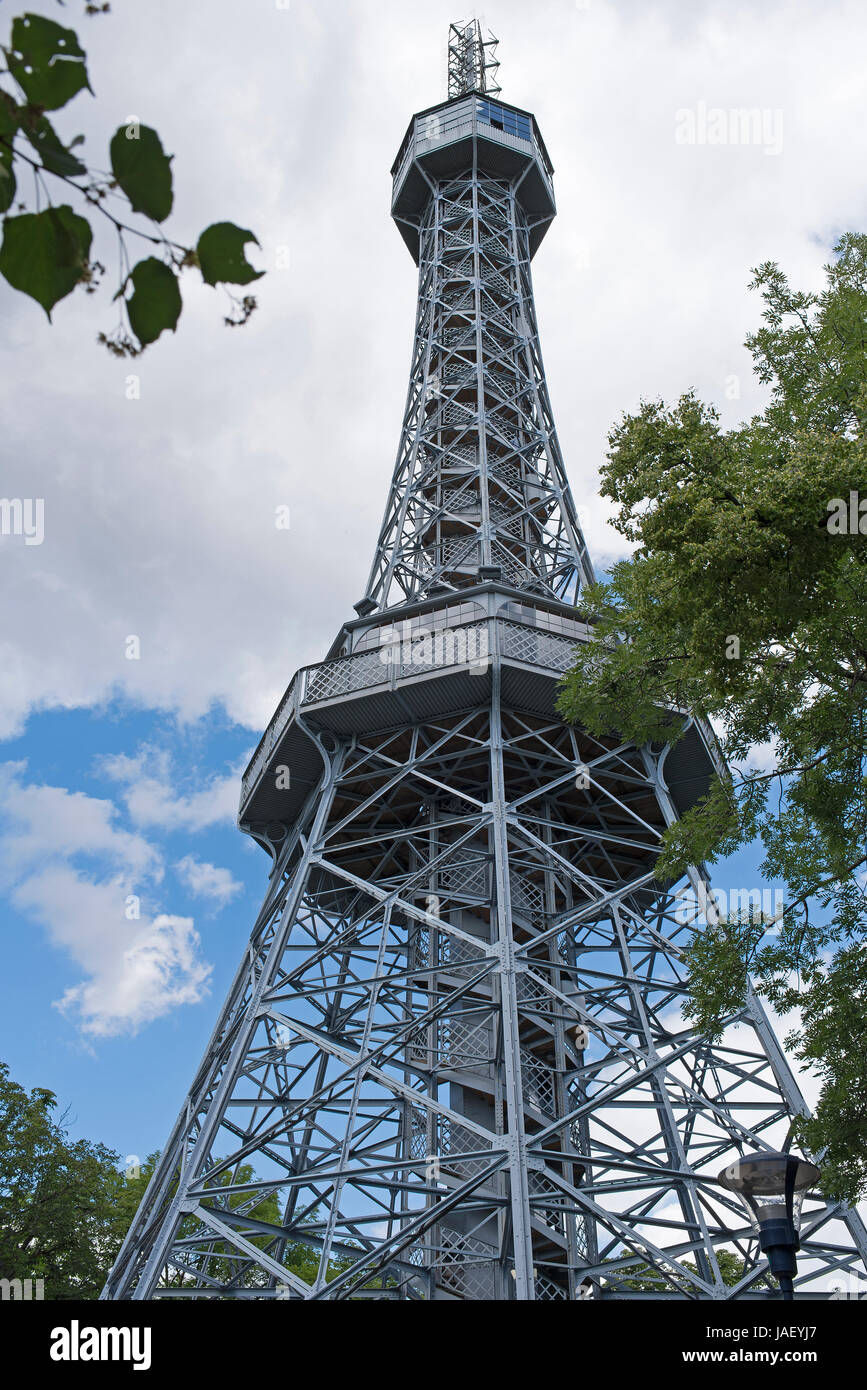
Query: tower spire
x=472, y=65
x=479, y=488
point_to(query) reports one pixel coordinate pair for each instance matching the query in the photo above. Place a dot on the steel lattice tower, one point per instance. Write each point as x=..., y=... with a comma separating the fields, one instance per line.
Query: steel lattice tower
x=453, y=1060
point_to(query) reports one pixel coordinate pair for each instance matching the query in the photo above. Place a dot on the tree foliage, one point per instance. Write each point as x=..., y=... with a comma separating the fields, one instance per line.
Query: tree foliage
x=46, y=250
x=643, y=1278
x=745, y=601
x=66, y=1206
x=58, y=1213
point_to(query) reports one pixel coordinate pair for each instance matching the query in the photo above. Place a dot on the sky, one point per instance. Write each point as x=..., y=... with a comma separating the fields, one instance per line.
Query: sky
x=128, y=891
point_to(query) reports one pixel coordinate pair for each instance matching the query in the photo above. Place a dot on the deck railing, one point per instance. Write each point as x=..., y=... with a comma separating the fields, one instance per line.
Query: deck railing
x=469, y=645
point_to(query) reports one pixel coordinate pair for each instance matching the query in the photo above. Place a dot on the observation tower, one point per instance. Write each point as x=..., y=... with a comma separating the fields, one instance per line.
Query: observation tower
x=453, y=1062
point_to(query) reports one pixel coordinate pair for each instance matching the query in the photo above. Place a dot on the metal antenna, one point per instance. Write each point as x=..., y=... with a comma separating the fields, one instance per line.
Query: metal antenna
x=472, y=64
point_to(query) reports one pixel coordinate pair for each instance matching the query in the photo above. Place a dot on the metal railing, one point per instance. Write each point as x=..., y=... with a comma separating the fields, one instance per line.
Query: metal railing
x=444, y=127
x=469, y=644
x=272, y=734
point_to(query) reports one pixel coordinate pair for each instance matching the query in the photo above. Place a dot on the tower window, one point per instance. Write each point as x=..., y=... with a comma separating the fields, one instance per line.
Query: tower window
x=512, y=122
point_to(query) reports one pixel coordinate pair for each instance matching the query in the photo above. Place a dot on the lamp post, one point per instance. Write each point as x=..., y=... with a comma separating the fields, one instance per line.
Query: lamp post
x=772, y=1186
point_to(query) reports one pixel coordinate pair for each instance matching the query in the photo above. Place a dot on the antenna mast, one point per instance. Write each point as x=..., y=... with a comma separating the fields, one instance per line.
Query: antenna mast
x=472, y=64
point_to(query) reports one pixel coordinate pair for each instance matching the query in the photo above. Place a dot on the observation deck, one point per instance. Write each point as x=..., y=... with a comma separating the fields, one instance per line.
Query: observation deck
x=420, y=666
x=502, y=140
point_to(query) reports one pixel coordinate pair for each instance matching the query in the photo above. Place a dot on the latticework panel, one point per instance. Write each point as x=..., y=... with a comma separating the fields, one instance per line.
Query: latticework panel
x=412, y=1065
x=477, y=393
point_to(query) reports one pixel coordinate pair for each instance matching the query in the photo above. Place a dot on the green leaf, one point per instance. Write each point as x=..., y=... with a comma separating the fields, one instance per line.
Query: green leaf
x=8, y=128
x=143, y=170
x=7, y=184
x=56, y=157
x=45, y=254
x=9, y=114
x=46, y=61
x=156, y=302
x=221, y=255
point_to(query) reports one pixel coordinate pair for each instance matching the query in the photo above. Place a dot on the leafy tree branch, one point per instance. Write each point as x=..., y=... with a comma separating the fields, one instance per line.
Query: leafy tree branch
x=745, y=603
x=46, y=249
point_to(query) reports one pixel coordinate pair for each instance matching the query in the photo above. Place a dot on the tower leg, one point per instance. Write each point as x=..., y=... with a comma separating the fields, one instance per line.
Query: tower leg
x=453, y=1063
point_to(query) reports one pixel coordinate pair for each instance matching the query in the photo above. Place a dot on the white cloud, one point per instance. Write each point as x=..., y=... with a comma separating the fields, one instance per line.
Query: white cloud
x=160, y=970
x=52, y=821
x=137, y=964
x=135, y=971
x=159, y=512
x=762, y=758
x=736, y=1034
x=150, y=799
x=207, y=880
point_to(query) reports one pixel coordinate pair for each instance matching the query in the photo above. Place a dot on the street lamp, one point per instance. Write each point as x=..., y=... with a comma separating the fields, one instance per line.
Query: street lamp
x=772, y=1186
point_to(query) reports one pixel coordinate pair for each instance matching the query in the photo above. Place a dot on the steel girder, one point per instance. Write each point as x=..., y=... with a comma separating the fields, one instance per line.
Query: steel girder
x=479, y=479
x=455, y=1048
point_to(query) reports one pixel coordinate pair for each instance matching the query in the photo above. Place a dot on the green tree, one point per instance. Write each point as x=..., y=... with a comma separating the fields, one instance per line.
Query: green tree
x=645, y=1279
x=130, y=1186
x=46, y=251
x=65, y=1207
x=298, y=1256
x=57, y=1198
x=745, y=601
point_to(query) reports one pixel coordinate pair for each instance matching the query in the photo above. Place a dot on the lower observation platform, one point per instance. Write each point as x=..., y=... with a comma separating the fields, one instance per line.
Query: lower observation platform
x=374, y=690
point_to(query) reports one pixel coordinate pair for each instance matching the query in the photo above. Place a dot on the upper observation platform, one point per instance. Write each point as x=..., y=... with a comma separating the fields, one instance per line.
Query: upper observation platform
x=472, y=131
